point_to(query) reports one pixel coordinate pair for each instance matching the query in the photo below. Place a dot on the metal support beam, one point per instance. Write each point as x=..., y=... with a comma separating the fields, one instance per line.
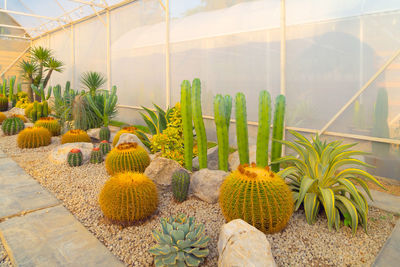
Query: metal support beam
x=14, y=36
x=15, y=61
x=98, y=16
x=283, y=47
x=89, y=3
x=29, y=15
x=15, y=27
x=167, y=58
x=109, y=82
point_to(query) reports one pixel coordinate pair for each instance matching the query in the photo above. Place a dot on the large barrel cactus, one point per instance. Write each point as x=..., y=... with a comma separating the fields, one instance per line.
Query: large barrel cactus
x=2, y=117
x=128, y=129
x=74, y=136
x=50, y=124
x=96, y=156
x=12, y=126
x=128, y=197
x=105, y=147
x=32, y=137
x=75, y=157
x=127, y=157
x=257, y=196
x=180, y=185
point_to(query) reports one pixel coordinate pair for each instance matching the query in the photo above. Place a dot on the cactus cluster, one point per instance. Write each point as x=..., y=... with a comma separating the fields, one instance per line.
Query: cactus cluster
x=12, y=126
x=75, y=157
x=50, y=124
x=2, y=117
x=37, y=110
x=181, y=242
x=74, y=136
x=128, y=129
x=127, y=157
x=180, y=185
x=33, y=137
x=96, y=156
x=257, y=196
x=105, y=147
x=222, y=114
x=40, y=91
x=128, y=197
x=104, y=134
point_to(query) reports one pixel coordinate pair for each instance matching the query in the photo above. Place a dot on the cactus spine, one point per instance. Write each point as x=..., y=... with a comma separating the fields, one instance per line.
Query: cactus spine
x=264, y=124
x=104, y=134
x=105, y=147
x=199, y=123
x=75, y=157
x=12, y=126
x=277, y=131
x=33, y=137
x=241, y=128
x=186, y=111
x=222, y=111
x=96, y=156
x=381, y=126
x=180, y=185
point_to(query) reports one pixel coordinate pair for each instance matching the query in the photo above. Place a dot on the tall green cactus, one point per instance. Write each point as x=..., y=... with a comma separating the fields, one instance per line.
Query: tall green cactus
x=199, y=123
x=4, y=88
x=222, y=113
x=277, y=131
x=381, y=126
x=11, y=89
x=264, y=124
x=186, y=110
x=40, y=91
x=241, y=128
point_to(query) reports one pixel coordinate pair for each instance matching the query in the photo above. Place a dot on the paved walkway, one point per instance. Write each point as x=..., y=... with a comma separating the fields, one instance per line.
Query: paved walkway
x=36, y=230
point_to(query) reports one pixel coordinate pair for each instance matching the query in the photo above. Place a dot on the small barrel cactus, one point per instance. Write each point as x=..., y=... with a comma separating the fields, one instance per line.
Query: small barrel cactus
x=75, y=157
x=3, y=103
x=74, y=136
x=128, y=129
x=181, y=242
x=96, y=156
x=105, y=147
x=180, y=185
x=50, y=124
x=22, y=117
x=2, y=117
x=32, y=137
x=104, y=133
x=128, y=197
x=257, y=196
x=127, y=157
x=12, y=126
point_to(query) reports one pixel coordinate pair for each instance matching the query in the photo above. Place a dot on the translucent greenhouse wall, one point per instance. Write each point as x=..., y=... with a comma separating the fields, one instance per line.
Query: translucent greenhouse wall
x=333, y=49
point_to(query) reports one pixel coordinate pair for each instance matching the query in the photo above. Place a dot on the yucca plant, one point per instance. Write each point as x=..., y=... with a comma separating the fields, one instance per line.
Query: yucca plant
x=104, y=104
x=319, y=178
x=156, y=121
x=92, y=80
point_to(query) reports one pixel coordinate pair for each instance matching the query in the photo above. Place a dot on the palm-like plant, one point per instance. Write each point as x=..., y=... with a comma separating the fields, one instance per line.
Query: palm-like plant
x=92, y=81
x=51, y=65
x=28, y=70
x=317, y=180
x=40, y=55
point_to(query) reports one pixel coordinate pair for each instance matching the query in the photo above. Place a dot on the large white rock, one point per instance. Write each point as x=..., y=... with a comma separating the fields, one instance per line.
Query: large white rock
x=212, y=159
x=95, y=132
x=205, y=184
x=129, y=138
x=161, y=169
x=59, y=154
x=16, y=111
x=29, y=124
x=242, y=245
x=234, y=161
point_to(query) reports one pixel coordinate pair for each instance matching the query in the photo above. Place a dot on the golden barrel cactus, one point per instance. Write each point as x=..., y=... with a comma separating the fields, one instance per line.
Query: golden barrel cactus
x=128, y=197
x=74, y=136
x=2, y=117
x=257, y=196
x=33, y=137
x=128, y=129
x=127, y=157
x=22, y=117
x=50, y=124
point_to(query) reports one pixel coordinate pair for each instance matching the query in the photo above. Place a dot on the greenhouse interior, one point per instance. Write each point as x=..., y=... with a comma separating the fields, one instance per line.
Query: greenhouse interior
x=230, y=133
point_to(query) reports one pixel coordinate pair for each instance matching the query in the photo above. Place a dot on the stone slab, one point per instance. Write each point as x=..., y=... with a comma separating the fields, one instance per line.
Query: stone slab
x=19, y=192
x=390, y=252
x=53, y=237
x=385, y=201
x=2, y=154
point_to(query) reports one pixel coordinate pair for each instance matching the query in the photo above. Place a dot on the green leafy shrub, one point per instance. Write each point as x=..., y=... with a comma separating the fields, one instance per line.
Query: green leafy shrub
x=156, y=122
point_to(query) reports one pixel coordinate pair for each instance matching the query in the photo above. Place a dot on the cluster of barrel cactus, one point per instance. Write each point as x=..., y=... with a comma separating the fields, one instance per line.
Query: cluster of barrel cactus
x=75, y=157
x=74, y=136
x=128, y=197
x=180, y=185
x=96, y=156
x=13, y=125
x=33, y=137
x=105, y=147
x=50, y=124
x=127, y=157
x=8, y=96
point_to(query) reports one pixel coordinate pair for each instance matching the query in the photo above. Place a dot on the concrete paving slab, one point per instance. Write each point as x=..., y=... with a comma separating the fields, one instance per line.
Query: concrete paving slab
x=390, y=252
x=2, y=154
x=385, y=201
x=53, y=237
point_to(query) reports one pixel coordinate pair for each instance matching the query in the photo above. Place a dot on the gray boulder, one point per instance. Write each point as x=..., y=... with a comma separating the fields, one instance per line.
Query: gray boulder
x=212, y=159
x=129, y=138
x=59, y=154
x=161, y=169
x=205, y=184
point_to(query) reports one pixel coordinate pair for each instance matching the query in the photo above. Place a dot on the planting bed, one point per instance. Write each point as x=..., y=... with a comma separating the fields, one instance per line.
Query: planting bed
x=299, y=244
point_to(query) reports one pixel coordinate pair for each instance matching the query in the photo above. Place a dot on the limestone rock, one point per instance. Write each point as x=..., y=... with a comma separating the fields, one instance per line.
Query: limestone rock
x=129, y=138
x=16, y=111
x=59, y=154
x=233, y=159
x=161, y=169
x=241, y=245
x=212, y=159
x=29, y=124
x=205, y=184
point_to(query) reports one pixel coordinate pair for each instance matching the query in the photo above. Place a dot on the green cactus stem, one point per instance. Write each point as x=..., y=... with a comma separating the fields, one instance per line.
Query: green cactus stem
x=199, y=123
x=222, y=112
x=104, y=133
x=277, y=131
x=186, y=110
x=96, y=156
x=264, y=124
x=241, y=128
x=180, y=185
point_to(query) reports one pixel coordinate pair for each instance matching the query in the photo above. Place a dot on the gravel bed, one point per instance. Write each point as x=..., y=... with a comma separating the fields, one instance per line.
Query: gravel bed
x=299, y=244
x=4, y=259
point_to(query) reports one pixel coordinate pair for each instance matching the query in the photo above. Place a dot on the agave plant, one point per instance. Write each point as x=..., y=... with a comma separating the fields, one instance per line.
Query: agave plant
x=104, y=104
x=320, y=177
x=156, y=121
x=181, y=242
x=92, y=80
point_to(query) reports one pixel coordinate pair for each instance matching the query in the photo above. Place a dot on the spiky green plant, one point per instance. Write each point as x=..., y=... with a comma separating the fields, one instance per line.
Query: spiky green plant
x=156, y=121
x=75, y=157
x=318, y=180
x=92, y=81
x=201, y=136
x=12, y=126
x=105, y=147
x=180, y=185
x=96, y=156
x=181, y=242
x=187, y=125
x=241, y=128
x=222, y=114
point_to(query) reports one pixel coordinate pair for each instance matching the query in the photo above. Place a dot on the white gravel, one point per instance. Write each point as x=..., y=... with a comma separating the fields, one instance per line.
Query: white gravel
x=4, y=259
x=299, y=244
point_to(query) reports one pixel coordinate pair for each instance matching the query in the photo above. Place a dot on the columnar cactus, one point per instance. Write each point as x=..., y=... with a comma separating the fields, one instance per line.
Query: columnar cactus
x=37, y=110
x=3, y=102
x=128, y=129
x=257, y=196
x=50, y=124
x=241, y=128
x=264, y=124
x=12, y=126
x=222, y=114
x=277, y=131
x=96, y=156
x=186, y=111
x=128, y=197
x=180, y=185
x=104, y=133
x=74, y=136
x=11, y=96
x=33, y=137
x=127, y=157
x=75, y=157
x=105, y=147
x=199, y=123
x=41, y=92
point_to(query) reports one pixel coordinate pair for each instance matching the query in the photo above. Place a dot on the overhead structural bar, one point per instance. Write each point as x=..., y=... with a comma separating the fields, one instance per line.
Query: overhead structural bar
x=14, y=36
x=30, y=15
x=15, y=27
x=89, y=3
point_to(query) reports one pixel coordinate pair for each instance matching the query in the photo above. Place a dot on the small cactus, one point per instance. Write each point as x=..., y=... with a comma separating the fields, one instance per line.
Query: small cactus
x=74, y=136
x=33, y=137
x=96, y=156
x=75, y=157
x=104, y=133
x=12, y=126
x=180, y=185
x=105, y=147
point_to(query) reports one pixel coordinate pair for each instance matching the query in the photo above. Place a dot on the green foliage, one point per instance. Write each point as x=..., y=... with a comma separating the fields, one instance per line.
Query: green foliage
x=222, y=111
x=92, y=81
x=187, y=126
x=277, y=131
x=199, y=123
x=320, y=179
x=241, y=128
x=75, y=158
x=40, y=91
x=96, y=156
x=22, y=100
x=104, y=104
x=12, y=126
x=381, y=125
x=3, y=103
x=181, y=242
x=180, y=185
x=156, y=121
x=63, y=102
